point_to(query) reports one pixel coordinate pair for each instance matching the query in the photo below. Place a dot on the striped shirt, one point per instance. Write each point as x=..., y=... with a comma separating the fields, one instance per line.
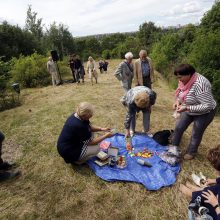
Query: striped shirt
x=199, y=99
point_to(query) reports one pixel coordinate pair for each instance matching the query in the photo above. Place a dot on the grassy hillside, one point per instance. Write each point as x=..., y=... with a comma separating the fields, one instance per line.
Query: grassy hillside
x=50, y=189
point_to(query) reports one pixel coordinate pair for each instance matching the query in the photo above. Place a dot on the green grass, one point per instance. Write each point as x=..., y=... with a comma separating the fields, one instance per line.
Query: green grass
x=50, y=189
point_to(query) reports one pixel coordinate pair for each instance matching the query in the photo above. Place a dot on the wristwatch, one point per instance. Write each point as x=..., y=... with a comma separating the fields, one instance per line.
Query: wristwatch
x=216, y=206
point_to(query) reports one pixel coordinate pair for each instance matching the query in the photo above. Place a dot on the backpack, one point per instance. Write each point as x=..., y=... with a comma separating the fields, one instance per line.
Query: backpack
x=163, y=137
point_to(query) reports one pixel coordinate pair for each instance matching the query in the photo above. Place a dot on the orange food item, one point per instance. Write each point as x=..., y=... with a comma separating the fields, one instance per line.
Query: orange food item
x=128, y=146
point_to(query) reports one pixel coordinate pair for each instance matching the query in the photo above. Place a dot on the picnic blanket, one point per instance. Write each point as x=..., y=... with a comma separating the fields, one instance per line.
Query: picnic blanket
x=153, y=178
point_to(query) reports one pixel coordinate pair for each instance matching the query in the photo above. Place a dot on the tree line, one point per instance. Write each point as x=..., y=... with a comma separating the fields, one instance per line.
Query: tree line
x=24, y=51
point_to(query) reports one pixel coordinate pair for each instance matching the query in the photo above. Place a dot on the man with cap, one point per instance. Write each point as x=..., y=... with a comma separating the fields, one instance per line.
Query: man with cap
x=139, y=98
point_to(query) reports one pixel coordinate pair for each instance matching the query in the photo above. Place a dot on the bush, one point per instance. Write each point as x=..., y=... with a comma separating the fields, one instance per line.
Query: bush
x=4, y=75
x=31, y=71
x=106, y=54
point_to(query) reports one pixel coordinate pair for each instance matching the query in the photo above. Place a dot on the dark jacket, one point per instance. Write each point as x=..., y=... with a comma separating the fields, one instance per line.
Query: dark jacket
x=74, y=135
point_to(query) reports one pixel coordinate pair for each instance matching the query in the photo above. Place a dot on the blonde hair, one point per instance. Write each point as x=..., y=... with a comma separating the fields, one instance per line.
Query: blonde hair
x=142, y=100
x=90, y=58
x=85, y=109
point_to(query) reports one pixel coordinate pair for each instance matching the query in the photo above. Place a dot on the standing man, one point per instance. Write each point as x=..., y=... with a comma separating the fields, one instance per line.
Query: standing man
x=51, y=67
x=124, y=72
x=72, y=64
x=143, y=70
x=105, y=66
x=78, y=66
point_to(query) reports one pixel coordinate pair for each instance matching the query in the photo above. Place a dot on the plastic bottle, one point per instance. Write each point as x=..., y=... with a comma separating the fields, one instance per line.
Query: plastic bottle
x=143, y=163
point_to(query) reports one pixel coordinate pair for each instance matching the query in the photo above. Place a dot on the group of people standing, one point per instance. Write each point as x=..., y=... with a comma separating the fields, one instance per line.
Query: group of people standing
x=141, y=97
x=77, y=69
x=194, y=102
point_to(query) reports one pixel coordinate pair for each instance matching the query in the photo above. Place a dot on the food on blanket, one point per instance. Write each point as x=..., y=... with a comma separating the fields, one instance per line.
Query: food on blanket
x=112, y=161
x=128, y=146
x=104, y=145
x=121, y=162
x=102, y=155
x=101, y=163
x=145, y=153
x=143, y=163
x=113, y=151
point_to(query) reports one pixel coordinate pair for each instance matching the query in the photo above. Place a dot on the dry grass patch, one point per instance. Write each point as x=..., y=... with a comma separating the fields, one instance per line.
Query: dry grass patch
x=50, y=189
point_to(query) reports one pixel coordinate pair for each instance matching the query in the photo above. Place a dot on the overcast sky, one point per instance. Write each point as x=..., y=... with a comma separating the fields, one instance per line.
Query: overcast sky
x=87, y=17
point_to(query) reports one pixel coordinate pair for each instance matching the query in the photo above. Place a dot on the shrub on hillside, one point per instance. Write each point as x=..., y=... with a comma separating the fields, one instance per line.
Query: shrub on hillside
x=4, y=75
x=31, y=71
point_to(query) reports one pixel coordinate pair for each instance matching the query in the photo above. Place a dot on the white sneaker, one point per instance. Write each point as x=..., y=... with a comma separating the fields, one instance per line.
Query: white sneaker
x=196, y=179
x=202, y=176
x=199, y=180
x=150, y=135
x=131, y=133
x=147, y=133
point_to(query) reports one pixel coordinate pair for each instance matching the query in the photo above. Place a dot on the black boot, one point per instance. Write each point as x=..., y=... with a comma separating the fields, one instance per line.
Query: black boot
x=9, y=175
x=6, y=166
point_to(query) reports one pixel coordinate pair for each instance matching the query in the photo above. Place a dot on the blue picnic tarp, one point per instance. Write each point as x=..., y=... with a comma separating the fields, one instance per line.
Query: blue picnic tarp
x=153, y=178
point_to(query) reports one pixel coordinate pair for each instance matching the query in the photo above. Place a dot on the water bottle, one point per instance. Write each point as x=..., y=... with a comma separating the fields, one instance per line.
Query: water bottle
x=143, y=163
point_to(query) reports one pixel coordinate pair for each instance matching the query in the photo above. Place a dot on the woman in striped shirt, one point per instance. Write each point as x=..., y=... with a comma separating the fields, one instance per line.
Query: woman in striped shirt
x=195, y=103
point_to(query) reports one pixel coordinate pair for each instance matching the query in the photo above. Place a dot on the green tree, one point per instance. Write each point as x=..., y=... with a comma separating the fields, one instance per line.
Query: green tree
x=106, y=54
x=111, y=41
x=148, y=34
x=205, y=55
x=60, y=39
x=33, y=24
x=211, y=20
x=93, y=45
x=4, y=75
x=15, y=41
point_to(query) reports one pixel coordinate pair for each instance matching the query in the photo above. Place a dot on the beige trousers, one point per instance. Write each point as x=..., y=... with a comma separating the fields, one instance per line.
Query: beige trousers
x=55, y=78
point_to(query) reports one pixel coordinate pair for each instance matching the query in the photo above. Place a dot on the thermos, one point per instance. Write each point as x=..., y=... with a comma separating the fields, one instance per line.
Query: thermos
x=143, y=163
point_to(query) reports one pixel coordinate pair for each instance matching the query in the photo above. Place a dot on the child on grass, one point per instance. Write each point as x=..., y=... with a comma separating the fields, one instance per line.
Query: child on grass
x=210, y=196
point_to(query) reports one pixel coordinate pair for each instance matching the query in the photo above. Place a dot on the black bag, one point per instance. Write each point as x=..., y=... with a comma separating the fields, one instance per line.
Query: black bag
x=163, y=137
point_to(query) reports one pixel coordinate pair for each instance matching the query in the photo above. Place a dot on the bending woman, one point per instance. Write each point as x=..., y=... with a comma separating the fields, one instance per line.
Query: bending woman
x=196, y=104
x=76, y=143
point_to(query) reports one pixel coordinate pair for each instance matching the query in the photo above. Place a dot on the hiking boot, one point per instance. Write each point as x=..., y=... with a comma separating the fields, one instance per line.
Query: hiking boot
x=9, y=175
x=6, y=166
x=188, y=157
